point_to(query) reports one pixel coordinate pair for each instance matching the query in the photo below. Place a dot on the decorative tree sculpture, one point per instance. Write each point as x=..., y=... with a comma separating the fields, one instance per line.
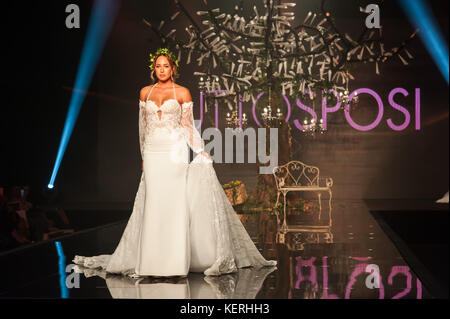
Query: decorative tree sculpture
x=248, y=55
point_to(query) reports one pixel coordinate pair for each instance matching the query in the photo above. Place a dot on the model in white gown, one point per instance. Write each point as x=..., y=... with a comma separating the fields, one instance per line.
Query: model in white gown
x=182, y=221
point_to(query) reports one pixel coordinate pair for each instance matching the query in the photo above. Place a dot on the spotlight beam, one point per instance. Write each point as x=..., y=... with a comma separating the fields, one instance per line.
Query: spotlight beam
x=100, y=22
x=421, y=16
x=62, y=270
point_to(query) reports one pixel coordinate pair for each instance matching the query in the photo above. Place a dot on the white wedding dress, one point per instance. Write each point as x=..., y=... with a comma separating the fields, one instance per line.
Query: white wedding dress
x=182, y=221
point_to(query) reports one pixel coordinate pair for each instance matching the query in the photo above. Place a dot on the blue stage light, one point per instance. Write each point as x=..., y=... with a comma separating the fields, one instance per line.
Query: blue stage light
x=62, y=270
x=421, y=16
x=100, y=22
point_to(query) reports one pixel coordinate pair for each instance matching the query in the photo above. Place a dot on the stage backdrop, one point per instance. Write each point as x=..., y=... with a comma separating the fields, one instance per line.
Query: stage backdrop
x=102, y=165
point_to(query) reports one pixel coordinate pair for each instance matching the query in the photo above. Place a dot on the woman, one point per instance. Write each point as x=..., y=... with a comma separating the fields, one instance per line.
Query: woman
x=182, y=220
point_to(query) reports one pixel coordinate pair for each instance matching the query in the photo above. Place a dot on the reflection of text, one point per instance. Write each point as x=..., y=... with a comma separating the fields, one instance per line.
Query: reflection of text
x=363, y=276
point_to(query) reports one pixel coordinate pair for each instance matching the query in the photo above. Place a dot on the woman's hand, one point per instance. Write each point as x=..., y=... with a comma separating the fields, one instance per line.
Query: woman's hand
x=205, y=154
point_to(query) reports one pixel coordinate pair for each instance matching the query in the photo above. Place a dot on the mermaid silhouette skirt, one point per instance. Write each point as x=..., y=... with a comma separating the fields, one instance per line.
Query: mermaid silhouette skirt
x=164, y=244
x=182, y=220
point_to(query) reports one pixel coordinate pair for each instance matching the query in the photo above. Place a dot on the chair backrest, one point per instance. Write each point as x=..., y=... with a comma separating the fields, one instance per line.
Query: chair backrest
x=296, y=173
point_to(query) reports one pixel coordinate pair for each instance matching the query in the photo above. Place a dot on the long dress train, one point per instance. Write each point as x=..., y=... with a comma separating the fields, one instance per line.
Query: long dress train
x=243, y=284
x=182, y=220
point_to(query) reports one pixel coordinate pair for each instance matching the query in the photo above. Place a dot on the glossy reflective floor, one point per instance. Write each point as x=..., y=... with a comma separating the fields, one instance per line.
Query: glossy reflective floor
x=342, y=262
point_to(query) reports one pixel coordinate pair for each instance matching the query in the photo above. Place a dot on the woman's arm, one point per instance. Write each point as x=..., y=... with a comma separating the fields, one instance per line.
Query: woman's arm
x=142, y=119
x=191, y=134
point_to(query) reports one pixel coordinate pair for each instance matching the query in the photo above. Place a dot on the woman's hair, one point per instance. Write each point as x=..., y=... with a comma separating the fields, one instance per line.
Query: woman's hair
x=173, y=65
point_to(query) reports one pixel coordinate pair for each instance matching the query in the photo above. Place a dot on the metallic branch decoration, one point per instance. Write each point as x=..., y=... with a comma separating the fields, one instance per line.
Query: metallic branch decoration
x=252, y=54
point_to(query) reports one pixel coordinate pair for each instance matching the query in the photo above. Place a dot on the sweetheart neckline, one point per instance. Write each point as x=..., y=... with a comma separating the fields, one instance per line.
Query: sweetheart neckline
x=159, y=107
x=163, y=102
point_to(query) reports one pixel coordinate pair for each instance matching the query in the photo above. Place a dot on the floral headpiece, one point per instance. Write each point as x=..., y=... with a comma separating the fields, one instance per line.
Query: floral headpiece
x=162, y=51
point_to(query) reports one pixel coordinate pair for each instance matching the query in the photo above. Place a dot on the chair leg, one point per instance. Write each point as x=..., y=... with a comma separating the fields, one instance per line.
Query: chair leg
x=280, y=239
x=284, y=212
x=320, y=203
x=278, y=197
x=329, y=191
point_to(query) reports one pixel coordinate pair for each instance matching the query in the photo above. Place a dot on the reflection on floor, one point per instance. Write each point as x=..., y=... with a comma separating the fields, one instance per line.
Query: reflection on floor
x=352, y=259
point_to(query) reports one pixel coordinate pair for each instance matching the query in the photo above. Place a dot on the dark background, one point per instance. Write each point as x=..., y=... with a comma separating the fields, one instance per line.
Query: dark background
x=101, y=166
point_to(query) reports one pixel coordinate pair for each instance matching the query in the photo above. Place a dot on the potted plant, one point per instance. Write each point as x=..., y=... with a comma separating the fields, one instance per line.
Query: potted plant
x=236, y=192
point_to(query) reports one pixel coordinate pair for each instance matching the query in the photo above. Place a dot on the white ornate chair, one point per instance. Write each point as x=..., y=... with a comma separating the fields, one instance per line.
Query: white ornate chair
x=297, y=176
x=301, y=237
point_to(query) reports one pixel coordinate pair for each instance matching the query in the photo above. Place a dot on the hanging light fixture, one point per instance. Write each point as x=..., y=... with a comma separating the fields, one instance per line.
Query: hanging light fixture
x=270, y=119
x=234, y=122
x=312, y=127
x=344, y=96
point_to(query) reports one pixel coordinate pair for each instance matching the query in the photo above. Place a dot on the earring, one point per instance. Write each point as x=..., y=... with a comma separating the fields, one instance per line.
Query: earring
x=152, y=75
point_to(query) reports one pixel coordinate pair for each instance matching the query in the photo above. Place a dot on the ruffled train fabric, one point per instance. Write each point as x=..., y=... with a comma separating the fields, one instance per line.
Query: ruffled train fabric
x=246, y=283
x=214, y=227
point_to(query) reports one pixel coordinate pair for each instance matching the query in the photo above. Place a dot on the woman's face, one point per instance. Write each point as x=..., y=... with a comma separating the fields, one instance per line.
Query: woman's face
x=162, y=68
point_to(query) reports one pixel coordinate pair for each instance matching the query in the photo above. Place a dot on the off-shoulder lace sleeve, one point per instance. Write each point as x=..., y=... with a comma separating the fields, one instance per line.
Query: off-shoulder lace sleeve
x=192, y=136
x=142, y=126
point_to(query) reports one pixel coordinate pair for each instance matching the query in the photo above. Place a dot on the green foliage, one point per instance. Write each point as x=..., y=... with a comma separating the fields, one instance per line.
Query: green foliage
x=233, y=185
x=162, y=51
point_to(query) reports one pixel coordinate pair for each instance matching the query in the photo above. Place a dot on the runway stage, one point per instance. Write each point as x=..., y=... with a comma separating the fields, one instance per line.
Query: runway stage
x=326, y=264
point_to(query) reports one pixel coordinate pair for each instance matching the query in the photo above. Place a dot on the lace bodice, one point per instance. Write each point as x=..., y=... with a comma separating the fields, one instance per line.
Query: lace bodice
x=173, y=117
